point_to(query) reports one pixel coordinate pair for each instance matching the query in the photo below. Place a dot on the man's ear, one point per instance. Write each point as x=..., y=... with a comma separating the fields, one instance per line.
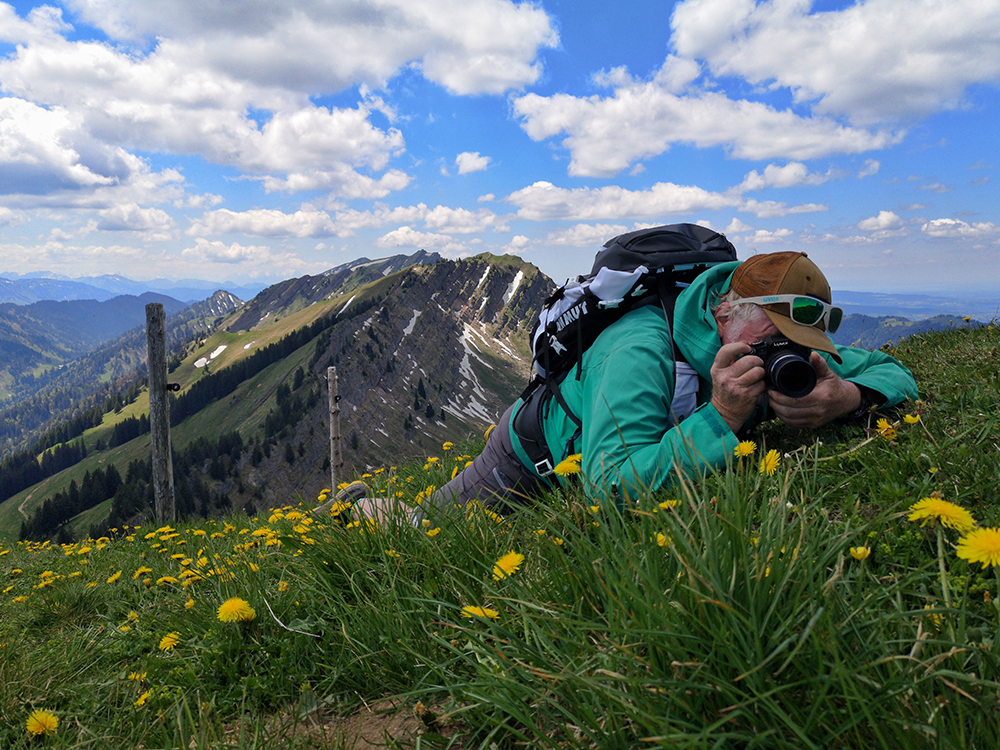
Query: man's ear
x=723, y=318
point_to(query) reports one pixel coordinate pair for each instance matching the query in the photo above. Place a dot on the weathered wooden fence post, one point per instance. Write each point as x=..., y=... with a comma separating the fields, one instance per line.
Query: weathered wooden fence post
x=159, y=415
x=336, y=458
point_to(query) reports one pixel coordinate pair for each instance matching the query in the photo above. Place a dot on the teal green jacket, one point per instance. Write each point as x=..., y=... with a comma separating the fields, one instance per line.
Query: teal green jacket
x=626, y=385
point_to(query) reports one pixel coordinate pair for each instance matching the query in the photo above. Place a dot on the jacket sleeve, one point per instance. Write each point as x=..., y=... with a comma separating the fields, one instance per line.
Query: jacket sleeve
x=628, y=438
x=878, y=371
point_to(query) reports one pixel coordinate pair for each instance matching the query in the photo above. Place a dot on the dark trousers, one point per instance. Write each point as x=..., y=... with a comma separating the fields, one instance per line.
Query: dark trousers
x=497, y=477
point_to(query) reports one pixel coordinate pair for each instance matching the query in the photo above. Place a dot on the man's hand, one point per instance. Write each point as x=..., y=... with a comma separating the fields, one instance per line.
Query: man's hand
x=831, y=398
x=737, y=382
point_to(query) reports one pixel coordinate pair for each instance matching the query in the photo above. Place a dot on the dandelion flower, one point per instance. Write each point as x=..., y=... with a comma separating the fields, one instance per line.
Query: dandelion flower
x=662, y=540
x=745, y=448
x=885, y=429
x=485, y=612
x=143, y=698
x=860, y=553
x=236, y=610
x=170, y=640
x=982, y=546
x=42, y=722
x=114, y=577
x=570, y=465
x=447, y=446
x=433, y=532
x=769, y=464
x=932, y=508
x=507, y=565
x=911, y=418
x=669, y=504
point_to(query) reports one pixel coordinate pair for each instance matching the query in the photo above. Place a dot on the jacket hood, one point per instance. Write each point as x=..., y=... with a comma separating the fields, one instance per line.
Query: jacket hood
x=695, y=331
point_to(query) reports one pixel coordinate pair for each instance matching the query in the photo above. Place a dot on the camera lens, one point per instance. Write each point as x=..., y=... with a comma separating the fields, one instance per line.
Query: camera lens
x=791, y=374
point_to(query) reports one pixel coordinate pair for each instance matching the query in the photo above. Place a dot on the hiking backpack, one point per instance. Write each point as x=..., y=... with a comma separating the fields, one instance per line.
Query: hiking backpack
x=639, y=268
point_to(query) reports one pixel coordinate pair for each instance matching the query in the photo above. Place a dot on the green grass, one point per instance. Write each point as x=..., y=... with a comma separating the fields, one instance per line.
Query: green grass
x=726, y=612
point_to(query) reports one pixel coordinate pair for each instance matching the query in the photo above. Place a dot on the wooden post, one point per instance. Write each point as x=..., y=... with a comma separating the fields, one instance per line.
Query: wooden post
x=336, y=457
x=159, y=415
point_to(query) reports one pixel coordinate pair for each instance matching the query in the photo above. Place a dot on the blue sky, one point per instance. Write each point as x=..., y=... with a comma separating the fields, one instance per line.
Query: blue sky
x=258, y=141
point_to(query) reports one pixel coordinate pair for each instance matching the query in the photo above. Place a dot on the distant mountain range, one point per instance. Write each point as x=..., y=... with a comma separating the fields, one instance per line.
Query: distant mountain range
x=30, y=288
x=427, y=350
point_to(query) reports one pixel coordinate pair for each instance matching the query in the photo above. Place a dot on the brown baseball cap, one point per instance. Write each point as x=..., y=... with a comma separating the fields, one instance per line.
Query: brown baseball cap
x=786, y=273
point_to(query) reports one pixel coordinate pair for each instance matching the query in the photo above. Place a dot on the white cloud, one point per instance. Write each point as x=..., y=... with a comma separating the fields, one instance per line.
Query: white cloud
x=463, y=221
x=870, y=167
x=957, y=229
x=585, y=235
x=306, y=222
x=544, y=201
x=467, y=46
x=158, y=224
x=737, y=227
x=885, y=220
x=642, y=119
x=792, y=174
x=471, y=161
x=488, y=198
x=771, y=209
x=875, y=62
x=11, y=218
x=409, y=237
x=884, y=226
x=766, y=237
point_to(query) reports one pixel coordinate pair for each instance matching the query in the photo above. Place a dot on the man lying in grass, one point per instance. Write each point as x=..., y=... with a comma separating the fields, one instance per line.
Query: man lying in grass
x=643, y=415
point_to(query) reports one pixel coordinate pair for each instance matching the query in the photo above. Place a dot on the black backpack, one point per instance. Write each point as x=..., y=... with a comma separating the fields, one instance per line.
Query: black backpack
x=639, y=268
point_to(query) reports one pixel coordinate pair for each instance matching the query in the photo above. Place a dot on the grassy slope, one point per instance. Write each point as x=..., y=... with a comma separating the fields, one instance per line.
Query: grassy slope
x=735, y=618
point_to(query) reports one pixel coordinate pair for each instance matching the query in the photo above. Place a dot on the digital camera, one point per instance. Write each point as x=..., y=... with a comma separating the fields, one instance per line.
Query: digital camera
x=786, y=366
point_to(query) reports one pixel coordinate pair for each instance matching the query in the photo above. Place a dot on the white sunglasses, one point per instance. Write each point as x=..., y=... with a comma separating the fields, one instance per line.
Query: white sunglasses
x=806, y=311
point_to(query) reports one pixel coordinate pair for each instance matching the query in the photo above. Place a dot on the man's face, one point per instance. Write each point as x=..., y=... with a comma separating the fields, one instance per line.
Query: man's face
x=755, y=328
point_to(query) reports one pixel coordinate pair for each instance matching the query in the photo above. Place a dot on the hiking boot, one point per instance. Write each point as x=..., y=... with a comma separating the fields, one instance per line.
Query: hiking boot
x=345, y=497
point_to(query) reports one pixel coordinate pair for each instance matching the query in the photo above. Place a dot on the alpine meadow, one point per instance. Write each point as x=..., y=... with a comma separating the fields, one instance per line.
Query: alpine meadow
x=840, y=589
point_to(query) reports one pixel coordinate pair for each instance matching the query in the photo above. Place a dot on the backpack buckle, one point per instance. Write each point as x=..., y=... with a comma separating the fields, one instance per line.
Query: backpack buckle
x=606, y=303
x=544, y=467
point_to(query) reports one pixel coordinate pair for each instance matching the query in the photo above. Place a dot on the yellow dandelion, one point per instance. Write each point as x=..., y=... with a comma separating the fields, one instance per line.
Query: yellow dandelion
x=745, y=448
x=236, y=610
x=143, y=698
x=931, y=509
x=433, y=532
x=170, y=640
x=114, y=577
x=911, y=418
x=769, y=464
x=140, y=572
x=507, y=565
x=448, y=446
x=570, y=465
x=662, y=540
x=484, y=612
x=42, y=722
x=669, y=504
x=860, y=553
x=188, y=604
x=885, y=429
x=981, y=546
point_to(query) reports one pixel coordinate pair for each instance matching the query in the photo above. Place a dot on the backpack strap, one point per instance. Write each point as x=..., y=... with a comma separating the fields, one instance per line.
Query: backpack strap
x=527, y=423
